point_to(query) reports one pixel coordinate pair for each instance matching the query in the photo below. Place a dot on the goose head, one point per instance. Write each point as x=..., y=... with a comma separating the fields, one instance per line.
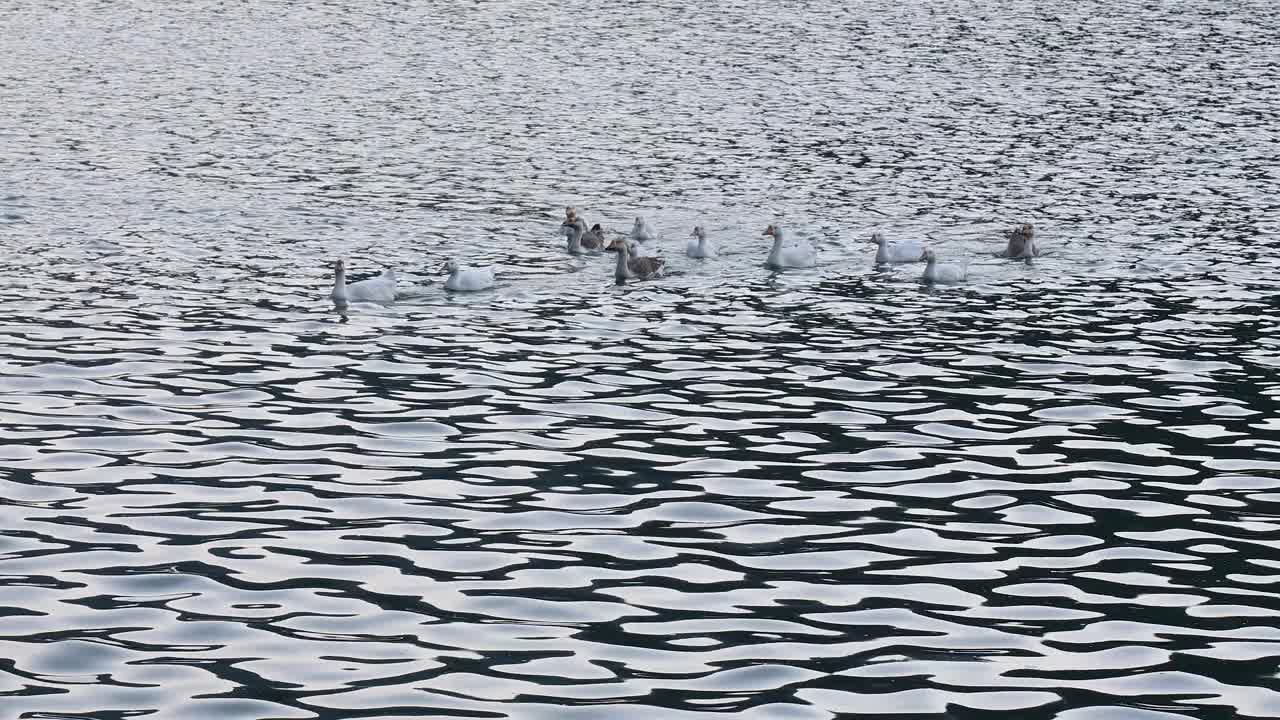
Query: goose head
x=877, y=238
x=928, y=256
x=450, y=266
x=618, y=245
x=1023, y=232
x=570, y=212
x=339, y=266
x=773, y=231
x=699, y=233
x=575, y=225
x=596, y=229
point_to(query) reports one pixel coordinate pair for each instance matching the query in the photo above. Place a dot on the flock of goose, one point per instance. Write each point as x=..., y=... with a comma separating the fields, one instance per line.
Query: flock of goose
x=632, y=264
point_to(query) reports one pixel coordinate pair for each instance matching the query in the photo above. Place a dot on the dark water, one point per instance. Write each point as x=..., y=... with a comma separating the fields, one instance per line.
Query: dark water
x=1050, y=493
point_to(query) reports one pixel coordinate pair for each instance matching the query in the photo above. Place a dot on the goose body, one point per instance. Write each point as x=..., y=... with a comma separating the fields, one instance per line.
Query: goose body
x=1022, y=242
x=630, y=266
x=698, y=246
x=800, y=255
x=466, y=279
x=381, y=289
x=942, y=274
x=640, y=231
x=594, y=237
x=908, y=251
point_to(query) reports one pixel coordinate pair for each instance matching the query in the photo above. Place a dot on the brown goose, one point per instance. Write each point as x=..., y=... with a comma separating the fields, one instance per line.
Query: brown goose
x=594, y=235
x=580, y=239
x=631, y=267
x=1022, y=242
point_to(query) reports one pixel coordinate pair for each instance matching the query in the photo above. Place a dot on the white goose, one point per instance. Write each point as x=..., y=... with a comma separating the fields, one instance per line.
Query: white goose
x=800, y=255
x=466, y=279
x=381, y=289
x=640, y=231
x=907, y=251
x=698, y=247
x=942, y=274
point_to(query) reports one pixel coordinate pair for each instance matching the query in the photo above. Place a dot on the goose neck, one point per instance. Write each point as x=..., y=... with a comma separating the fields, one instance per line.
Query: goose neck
x=776, y=251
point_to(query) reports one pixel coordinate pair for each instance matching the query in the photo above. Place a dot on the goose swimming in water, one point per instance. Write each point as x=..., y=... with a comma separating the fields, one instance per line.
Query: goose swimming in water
x=1022, y=242
x=800, y=255
x=908, y=251
x=640, y=231
x=582, y=240
x=466, y=279
x=698, y=247
x=942, y=274
x=381, y=289
x=596, y=232
x=631, y=267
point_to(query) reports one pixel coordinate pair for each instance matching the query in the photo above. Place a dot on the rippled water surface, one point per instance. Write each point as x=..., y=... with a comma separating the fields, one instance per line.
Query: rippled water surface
x=1052, y=492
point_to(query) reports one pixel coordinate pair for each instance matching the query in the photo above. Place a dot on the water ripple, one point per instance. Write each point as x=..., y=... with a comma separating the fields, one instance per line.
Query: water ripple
x=825, y=493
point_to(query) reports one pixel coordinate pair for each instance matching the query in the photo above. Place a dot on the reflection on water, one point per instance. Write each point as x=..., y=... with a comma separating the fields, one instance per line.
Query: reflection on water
x=1050, y=492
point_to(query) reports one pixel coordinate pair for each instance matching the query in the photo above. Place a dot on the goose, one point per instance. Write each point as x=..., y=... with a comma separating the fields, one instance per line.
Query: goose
x=797, y=256
x=582, y=240
x=640, y=231
x=630, y=266
x=598, y=233
x=908, y=251
x=698, y=247
x=942, y=274
x=466, y=279
x=381, y=289
x=1022, y=242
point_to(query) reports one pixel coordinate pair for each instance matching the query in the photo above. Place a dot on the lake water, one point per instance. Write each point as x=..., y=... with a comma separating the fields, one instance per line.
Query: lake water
x=1052, y=492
